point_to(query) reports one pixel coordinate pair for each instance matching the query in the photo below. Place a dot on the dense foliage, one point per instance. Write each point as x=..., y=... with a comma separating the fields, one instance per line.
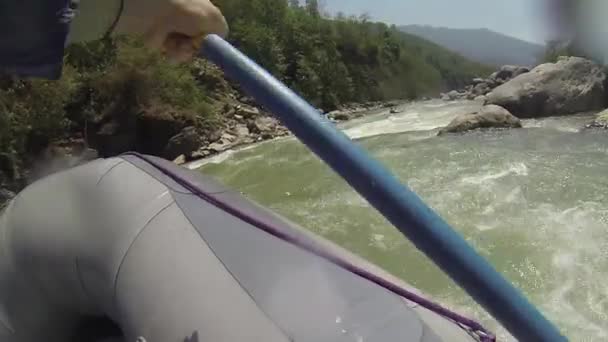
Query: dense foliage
x=103, y=81
x=330, y=61
x=342, y=59
x=556, y=48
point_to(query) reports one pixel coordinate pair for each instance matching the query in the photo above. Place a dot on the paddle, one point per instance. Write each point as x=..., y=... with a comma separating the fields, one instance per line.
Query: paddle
x=404, y=209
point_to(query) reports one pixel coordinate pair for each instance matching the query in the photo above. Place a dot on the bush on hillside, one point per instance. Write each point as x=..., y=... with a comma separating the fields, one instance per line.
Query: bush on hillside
x=32, y=112
x=141, y=100
x=102, y=79
x=140, y=77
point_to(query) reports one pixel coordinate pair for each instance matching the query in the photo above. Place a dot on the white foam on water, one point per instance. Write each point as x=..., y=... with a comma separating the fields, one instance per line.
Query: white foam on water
x=412, y=120
x=569, y=124
x=545, y=123
x=565, y=272
x=518, y=169
x=575, y=256
x=560, y=246
x=378, y=241
x=436, y=104
x=341, y=198
x=514, y=196
x=217, y=159
x=417, y=117
x=229, y=154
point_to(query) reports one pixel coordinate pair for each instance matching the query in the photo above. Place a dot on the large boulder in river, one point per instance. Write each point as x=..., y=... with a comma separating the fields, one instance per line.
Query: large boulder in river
x=184, y=143
x=477, y=80
x=480, y=89
x=507, y=72
x=571, y=85
x=490, y=116
x=454, y=95
x=339, y=115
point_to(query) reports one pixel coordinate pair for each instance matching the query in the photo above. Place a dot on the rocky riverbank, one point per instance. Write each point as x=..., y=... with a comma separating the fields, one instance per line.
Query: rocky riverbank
x=246, y=124
x=571, y=85
x=480, y=87
x=156, y=130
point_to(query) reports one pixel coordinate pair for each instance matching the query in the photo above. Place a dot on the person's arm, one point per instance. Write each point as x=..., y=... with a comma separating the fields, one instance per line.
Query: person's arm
x=176, y=27
x=33, y=33
x=32, y=36
x=153, y=19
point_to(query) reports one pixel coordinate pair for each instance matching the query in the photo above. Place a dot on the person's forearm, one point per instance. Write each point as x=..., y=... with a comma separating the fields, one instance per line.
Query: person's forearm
x=174, y=27
x=94, y=19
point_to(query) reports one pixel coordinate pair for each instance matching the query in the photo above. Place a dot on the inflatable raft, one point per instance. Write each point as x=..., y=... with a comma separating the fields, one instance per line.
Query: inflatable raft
x=135, y=248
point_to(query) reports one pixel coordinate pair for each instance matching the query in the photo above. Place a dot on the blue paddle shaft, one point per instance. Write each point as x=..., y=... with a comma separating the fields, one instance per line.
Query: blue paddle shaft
x=404, y=209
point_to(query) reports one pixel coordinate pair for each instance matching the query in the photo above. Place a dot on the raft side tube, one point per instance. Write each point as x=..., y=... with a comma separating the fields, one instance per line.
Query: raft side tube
x=120, y=238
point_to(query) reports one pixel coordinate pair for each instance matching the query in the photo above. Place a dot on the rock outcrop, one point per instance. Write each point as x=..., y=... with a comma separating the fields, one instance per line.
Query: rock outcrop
x=601, y=121
x=184, y=143
x=571, y=85
x=490, y=116
x=355, y=110
x=507, y=72
x=246, y=124
x=482, y=86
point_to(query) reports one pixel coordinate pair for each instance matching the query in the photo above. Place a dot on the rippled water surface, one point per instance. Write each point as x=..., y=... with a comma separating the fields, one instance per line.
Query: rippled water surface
x=534, y=201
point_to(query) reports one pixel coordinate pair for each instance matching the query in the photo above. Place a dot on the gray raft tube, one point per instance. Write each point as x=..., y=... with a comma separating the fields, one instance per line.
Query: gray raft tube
x=119, y=250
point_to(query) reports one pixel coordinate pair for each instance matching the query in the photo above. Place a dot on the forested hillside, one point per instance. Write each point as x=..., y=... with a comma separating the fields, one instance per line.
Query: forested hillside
x=481, y=45
x=342, y=59
x=117, y=96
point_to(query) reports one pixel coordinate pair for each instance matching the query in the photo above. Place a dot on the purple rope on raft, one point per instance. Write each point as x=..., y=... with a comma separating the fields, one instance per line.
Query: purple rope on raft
x=482, y=333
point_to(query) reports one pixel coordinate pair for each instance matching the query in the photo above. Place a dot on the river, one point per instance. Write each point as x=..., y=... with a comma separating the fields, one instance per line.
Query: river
x=534, y=201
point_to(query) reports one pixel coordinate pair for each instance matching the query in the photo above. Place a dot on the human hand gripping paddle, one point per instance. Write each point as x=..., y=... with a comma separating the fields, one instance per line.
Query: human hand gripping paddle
x=178, y=27
x=175, y=27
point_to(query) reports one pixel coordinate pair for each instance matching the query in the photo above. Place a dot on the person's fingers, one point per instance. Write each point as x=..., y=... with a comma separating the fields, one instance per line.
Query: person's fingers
x=156, y=37
x=179, y=32
x=176, y=46
x=180, y=48
x=198, y=18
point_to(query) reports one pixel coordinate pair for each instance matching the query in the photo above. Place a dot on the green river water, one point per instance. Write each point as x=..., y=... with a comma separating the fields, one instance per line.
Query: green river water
x=533, y=201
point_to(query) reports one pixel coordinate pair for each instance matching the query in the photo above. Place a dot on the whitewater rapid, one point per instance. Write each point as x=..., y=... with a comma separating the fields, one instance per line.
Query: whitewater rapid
x=534, y=201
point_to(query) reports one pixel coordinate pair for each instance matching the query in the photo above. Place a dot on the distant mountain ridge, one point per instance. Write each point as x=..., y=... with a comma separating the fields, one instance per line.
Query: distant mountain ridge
x=481, y=45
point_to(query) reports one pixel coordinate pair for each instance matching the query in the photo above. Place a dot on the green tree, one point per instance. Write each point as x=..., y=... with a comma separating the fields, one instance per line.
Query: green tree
x=312, y=6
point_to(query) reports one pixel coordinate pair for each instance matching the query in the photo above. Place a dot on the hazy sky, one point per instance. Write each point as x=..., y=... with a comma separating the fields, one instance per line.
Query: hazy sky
x=519, y=18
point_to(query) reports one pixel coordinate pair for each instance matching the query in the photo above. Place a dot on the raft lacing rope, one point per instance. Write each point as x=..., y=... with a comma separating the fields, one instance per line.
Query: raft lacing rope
x=473, y=327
